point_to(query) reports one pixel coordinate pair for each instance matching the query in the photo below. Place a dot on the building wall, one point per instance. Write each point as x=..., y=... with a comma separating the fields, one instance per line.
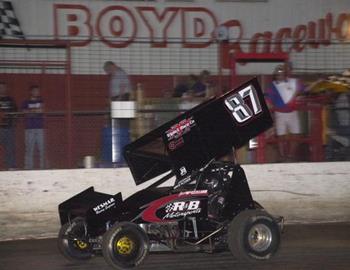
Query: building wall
x=176, y=28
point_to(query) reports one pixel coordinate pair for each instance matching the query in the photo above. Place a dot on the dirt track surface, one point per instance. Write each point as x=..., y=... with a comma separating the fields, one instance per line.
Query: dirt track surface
x=321, y=246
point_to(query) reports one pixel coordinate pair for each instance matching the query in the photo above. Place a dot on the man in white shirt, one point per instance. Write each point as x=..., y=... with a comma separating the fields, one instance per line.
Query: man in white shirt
x=119, y=90
x=119, y=84
x=282, y=96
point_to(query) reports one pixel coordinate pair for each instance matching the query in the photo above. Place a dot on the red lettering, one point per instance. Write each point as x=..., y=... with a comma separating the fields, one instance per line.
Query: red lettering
x=199, y=27
x=311, y=35
x=321, y=25
x=283, y=37
x=72, y=22
x=261, y=38
x=116, y=26
x=115, y=22
x=328, y=29
x=299, y=35
x=191, y=37
x=342, y=31
x=158, y=24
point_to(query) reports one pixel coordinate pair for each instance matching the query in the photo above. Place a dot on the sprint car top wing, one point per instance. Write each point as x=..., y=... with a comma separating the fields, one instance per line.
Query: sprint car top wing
x=207, y=131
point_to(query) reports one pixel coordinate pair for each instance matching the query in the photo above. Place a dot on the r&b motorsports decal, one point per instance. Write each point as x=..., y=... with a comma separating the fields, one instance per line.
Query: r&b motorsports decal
x=182, y=209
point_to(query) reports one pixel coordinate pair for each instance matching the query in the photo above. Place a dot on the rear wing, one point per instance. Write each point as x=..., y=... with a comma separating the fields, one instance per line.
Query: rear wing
x=207, y=131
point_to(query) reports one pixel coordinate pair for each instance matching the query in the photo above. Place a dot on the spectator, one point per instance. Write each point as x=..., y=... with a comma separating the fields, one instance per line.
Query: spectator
x=282, y=96
x=119, y=84
x=188, y=101
x=191, y=84
x=201, y=85
x=7, y=129
x=119, y=90
x=34, y=128
x=180, y=88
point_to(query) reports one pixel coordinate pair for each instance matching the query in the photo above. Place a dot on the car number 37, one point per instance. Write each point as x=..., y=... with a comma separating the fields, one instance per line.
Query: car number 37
x=238, y=104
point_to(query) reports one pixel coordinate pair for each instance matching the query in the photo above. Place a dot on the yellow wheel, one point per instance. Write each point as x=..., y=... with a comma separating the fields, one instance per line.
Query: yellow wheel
x=81, y=244
x=125, y=245
x=73, y=242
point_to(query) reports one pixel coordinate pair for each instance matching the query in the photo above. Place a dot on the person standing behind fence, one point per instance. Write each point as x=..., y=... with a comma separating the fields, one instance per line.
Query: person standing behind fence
x=119, y=90
x=119, y=84
x=34, y=128
x=202, y=85
x=282, y=95
x=7, y=128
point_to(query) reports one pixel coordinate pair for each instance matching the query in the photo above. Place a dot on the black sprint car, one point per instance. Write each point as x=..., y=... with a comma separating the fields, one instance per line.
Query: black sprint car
x=208, y=208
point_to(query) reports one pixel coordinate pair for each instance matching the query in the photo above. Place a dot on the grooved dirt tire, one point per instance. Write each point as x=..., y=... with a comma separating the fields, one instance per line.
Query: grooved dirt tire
x=125, y=245
x=253, y=235
x=72, y=241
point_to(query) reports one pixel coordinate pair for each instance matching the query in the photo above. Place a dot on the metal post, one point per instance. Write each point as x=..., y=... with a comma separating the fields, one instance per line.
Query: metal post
x=260, y=151
x=220, y=64
x=114, y=140
x=68, y=99
x=233, y=70
x=316, y=134
x=45, y=155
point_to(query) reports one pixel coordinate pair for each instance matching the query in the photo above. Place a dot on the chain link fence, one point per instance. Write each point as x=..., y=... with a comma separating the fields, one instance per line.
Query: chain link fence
x=74, y=89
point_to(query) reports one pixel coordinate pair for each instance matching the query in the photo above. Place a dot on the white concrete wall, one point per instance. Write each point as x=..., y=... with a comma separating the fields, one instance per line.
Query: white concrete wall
x=301, y=192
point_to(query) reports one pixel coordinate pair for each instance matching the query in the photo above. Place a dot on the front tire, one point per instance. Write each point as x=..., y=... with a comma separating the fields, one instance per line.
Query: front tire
x=253, y=235
x=125, y=245
x=73, y=242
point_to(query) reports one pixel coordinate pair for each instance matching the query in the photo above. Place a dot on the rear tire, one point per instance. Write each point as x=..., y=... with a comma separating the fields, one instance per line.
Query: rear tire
x=73, y=242
x=253, y=235
x=125, y=245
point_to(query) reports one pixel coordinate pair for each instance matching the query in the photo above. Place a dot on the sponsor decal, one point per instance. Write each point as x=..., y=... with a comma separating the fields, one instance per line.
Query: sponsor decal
x=175, y=205
x=150, y=212
x=180, y=129
x=104, y=206
x=193, y=192
x=182, y=209
x=175, y=144
x=183, y=182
